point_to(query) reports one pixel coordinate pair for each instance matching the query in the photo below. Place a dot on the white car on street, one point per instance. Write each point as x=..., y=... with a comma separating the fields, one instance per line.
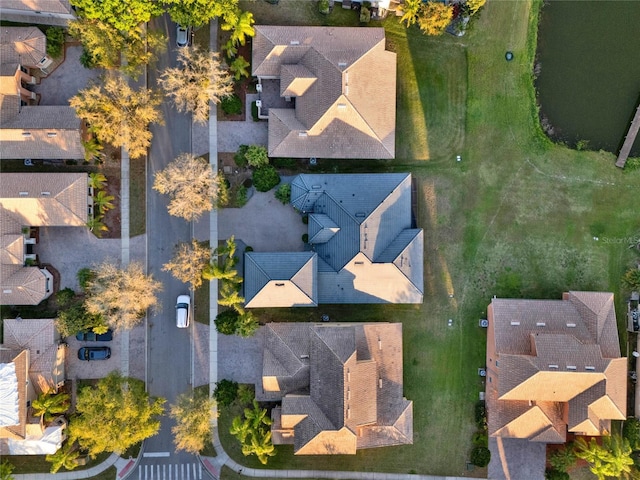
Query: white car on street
x=183, y=311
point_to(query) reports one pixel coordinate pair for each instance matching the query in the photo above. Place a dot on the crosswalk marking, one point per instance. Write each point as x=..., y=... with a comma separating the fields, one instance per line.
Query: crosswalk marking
x=176, y=471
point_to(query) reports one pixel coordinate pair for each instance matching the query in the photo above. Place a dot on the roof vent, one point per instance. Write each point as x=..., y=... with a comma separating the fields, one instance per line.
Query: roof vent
x=52, y=134
x=540, y=324
x=342, y=64
x=571, y=325
x=316, y=187
x=571, y=367
x=553, y=366
x=7, y=290
x=26, y=134
x=304, y=356
x=360, y=214
x=302, y=134
x=515, y=323
x=379, y=343
x=45, y=194
x=358, y=263
x=590, y=367
x=279, y=284
x=380, y=382
x=23, y=194
x=342, y=106
x=294, y=42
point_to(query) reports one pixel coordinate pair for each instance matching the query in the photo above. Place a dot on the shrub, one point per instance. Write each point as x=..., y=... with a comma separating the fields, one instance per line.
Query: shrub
x=480, y=456
x=257, y=156
x=305, y=219
x=55, y=41
x=65, y=296
x=289, y=163
x=239, y=157
x=227, y=322
x=631, y=431
x=365, y=15
x=85, y=275
x=231, y=105
x=241, y=196
x=254, y=112
x=563, y=459
x=481, y=439
x=248, y=183
x=556, y=475
x=632, y=164
x=305, y=238
x=245, y=394
x=248, y=248
x=86, y=59
x=265, y=178
x=283, y=193
x=226, y=392
x=481, y=415
x=323, y=6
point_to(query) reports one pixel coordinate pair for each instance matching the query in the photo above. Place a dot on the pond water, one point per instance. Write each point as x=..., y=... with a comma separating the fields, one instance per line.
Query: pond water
x=588, y=71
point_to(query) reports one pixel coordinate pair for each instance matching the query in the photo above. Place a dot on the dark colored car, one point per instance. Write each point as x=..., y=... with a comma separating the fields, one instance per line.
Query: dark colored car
x=93, y=337
x=94, y=353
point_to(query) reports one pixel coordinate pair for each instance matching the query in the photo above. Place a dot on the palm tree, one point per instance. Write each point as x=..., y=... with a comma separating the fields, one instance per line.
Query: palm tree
x=611, y=459
x=6, y=470
x=410, y=10
x=97, y=180
x=230, y=48
x=240, y=429
x=66, y=457
x=103, y=201
x=261, y=446
x=48, y=406
x=257, y=417
x=239, y=67
x=243, y=28
x=96, y=226
x=93, y=151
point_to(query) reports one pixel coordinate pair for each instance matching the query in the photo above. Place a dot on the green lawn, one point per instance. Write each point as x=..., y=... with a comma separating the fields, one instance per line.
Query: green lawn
x=137, y=197
x=515, y=218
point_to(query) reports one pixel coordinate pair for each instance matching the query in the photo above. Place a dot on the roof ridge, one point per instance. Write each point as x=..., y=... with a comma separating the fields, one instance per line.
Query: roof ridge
x=355, y=350
x=281, y=340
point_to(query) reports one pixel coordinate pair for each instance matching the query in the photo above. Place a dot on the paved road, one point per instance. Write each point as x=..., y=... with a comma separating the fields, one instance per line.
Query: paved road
x=169, y=355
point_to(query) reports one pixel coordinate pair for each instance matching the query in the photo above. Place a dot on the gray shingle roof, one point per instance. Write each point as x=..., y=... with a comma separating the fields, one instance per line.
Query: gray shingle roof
x=23, y=45
x=354, y=384
x=339, y=111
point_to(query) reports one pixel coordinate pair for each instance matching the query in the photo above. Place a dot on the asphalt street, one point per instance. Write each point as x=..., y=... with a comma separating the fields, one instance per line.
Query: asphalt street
x=169, y=351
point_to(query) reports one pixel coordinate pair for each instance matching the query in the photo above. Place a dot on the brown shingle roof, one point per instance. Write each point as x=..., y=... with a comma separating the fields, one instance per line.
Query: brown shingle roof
x=551, y=356
x=23, y=45
x=52, y=6
x=339, y=111
x=353, y=381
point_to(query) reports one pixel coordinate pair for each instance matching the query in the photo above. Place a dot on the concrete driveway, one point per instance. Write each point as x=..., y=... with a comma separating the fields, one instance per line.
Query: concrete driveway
x=264, y=224
x=240, y=359
x=233, y=134
x=515, y=459
x=68, y=249
x=66, y=80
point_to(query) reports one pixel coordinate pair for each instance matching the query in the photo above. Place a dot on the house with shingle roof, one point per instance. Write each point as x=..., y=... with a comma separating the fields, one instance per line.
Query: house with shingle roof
x=364, y=246
x=334, y=108
x=35, y=200
x=340, y=386
x=48, y=12
x=30, y=131
x=553, y=367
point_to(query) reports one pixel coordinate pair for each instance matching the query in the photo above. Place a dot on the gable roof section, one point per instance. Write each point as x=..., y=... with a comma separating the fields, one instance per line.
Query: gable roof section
x=354, y=387
x=47, y=131
x=44, y=6
x=341, y=113
x=280, y=279
x=562, y=353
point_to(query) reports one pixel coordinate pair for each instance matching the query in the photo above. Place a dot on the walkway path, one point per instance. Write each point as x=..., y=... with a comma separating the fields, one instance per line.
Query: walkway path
x=629, y=139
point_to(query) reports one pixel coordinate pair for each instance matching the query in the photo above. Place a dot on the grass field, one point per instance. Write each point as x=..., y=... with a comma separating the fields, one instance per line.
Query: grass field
x=515, y=218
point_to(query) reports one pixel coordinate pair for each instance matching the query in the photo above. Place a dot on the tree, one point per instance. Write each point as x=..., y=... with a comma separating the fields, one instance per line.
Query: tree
x=96, y=225
x=472, y=6
x=48, y=406
x=283, y=193
x=76, y=319
x=265, y=178
x=556, y=475
x=114, y=415
x=124, y=16
x=434, y=17
x=611, y=459
x=97, y=180
x=118, y=114
x=192, y=413
x=93, y=150
x=121, y=296
x=247, y=324
x=6, y=470
x=253, y=433
x=631, y=279
x=227, y=323
x=103, y=201
x=197, y=13
x=226, y=392
x=241, y=28
x=563, y=459
x=480, y=456
x=191, y=185
x=257, y=156
x=66, y=456
x=198, y=80
x=239, y=68
x=230, y=296
x=631, y=432
x=410, y=9
x=188, y=262
x=110, y=48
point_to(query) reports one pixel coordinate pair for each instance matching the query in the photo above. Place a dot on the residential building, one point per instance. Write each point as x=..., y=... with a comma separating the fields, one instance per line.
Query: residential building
x=340, y=386
x=34, y=200
x=364, y=246
x=29, y=131
x=47, y=12
x=554, y=367
x=321, y=96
